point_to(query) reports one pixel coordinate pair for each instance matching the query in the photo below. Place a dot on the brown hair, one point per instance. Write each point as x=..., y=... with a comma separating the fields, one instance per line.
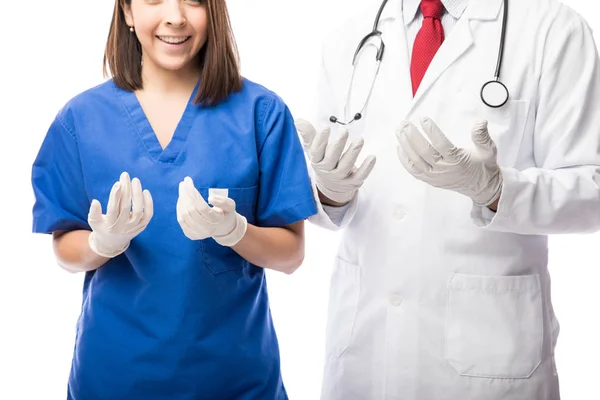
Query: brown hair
x=218, y=59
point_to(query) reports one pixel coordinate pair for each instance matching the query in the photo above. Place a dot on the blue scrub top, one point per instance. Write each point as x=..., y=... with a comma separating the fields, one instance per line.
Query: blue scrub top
x=172, y=318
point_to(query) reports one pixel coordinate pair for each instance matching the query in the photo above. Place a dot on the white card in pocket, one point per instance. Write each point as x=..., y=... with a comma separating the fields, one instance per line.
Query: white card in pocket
x=218, y=192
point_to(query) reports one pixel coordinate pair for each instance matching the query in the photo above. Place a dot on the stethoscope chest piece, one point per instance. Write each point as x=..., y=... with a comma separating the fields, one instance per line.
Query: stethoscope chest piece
x=494, y=94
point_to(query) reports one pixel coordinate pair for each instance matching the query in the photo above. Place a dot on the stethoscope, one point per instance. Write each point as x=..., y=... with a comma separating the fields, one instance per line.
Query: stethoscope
x=493, y=93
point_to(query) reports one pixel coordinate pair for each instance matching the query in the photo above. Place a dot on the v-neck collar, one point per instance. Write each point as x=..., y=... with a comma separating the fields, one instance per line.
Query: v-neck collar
x=144, y=130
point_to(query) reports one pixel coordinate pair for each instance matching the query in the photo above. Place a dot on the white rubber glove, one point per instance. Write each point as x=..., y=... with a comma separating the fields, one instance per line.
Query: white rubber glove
x=128, y=213
x=200, y=221
x=337, y=178
x=472, y=172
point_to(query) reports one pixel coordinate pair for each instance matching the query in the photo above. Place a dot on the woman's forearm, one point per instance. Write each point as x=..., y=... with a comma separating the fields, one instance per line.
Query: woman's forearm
x=74, y=253
x=279, y=249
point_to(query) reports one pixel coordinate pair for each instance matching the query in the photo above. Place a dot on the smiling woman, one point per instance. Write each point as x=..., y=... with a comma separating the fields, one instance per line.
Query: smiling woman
x=175, y=304
x=171, y=35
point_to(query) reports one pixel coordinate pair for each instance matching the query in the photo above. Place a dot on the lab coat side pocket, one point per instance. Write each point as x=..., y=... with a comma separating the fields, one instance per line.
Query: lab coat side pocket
x=494, y=325
x=217, y=258
x=343, y=303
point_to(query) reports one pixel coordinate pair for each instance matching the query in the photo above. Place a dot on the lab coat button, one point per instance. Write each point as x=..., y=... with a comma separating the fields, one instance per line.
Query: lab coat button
x=395, y=300
x=399, y=213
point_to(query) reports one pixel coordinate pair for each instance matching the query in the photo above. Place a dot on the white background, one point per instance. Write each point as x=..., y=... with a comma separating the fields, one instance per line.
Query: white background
x=52, y=50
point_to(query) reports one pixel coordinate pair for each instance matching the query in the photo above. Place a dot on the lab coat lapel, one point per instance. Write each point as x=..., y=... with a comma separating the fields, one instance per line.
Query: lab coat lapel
x=453, y=47
x=395, y=85
x=457, y=43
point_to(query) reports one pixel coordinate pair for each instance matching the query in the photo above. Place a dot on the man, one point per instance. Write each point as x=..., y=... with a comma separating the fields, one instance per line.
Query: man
x=441, y=289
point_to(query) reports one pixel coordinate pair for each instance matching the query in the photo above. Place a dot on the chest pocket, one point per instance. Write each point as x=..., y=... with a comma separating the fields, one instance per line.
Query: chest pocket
x=218, y=259
x=505, y=124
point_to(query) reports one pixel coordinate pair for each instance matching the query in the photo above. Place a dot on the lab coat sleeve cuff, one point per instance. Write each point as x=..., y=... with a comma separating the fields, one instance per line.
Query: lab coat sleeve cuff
x=499, y=220
x=336, y=213
x=329, y=217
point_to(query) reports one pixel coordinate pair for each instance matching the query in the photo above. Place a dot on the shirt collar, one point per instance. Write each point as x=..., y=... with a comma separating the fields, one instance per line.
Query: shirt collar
x=454, y=8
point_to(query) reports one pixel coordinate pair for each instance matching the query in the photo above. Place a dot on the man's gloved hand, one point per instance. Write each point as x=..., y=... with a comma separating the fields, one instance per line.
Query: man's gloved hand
x=200, y=221
x=472, y=172
x=128, y=213
x=337, y=177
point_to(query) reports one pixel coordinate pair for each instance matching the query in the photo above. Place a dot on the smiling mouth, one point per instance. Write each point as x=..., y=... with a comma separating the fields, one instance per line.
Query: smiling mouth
x=174, y=39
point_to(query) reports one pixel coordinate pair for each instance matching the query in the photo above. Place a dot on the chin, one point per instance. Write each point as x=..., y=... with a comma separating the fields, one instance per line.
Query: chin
x=174, y=65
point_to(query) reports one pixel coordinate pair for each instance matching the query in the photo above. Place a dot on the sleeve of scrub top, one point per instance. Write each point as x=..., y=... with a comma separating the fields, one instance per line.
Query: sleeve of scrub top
x=285, y=195
x=328, y=217
x=561, y=195
x=60, y=199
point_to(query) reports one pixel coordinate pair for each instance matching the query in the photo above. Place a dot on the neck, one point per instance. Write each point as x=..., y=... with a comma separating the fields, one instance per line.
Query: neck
x=165, y=81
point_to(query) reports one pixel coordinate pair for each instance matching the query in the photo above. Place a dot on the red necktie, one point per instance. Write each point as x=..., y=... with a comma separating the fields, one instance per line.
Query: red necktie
x=428, y=40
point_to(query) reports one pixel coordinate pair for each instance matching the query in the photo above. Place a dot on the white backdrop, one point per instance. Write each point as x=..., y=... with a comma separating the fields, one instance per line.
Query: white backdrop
x=51, y=51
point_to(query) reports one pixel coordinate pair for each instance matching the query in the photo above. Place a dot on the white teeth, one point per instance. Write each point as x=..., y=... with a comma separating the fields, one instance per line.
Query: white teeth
x=173, y=40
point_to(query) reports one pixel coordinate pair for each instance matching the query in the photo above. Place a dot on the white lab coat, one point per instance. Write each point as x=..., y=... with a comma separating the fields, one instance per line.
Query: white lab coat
x=433, y=298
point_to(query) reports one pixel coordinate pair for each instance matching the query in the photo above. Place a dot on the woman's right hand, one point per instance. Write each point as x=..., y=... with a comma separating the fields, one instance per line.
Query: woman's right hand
x=128, y=213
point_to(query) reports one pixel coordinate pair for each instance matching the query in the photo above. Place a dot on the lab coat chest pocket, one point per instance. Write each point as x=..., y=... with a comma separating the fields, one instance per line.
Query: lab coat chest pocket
x=494, y=326
x=506, y=126
x=343, y=303
x=217, y=258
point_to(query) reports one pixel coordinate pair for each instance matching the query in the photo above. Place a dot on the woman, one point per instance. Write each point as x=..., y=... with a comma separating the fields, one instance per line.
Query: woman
x=174, y=303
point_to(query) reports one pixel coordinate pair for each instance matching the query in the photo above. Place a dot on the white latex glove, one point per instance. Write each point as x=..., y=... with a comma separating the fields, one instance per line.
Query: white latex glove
x=472, y=172
x=337, y=178
x=200, y=221
x=128, y=213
